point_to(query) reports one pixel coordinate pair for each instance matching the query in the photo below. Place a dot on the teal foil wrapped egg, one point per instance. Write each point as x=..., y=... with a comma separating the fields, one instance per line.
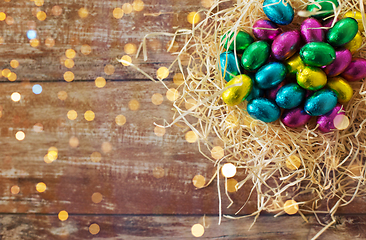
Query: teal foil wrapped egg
x=270, y=75
x=342, y=32
x=240, y=43
x=235, y=95
x=229, y=65
x=278, y=11
x=326, y=7
x=321, y=102
x=263, y=109
x=256, y=92
x=311, y=78
x=255, y=55
x=317, y=54
x=290, y=96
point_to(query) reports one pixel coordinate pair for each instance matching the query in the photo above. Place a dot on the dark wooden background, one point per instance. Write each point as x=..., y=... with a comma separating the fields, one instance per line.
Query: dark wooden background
x=145, y=180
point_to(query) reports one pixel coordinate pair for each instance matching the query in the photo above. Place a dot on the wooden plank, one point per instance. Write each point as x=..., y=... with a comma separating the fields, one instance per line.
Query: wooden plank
x=173, y=227
x=106, y=35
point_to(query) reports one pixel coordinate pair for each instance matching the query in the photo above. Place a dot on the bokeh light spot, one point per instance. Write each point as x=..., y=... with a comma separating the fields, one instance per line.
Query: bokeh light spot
x=89, y=115
x=109, y=69
x=31, y=34
x=37, y=89
x=178, y=79
x=341, y=122
x=159, y=131
x=69, y=76
x=172, y=94
x=130, y=48
x=9, y=20
x=95, y=157
x=62, y=95
x=69, y=63
x=15, y=189
x=97, y=197
x=100, y=82
x=217, y=152
x=56, y=10
x=228, y=170
x=14, y=63
x=74, y=142
x=106, y=147
x=193, y=18
x=158, y=172
x=20, y=135
x=197, y=230
x=70, y=53
x=63, y=215
x=2, y=16
x=231, y=185
x=39, y=2
x=138, y=5
x=34, y=42
x=15, y=96
x=157, y=99
x=6, y=72
x=162, y=73
x=12, y=77
x=127, y=60
x=127, y=8
x=133, y=105
x=85, y=49
x=190, y=103
x=41, y=16
x=118, y=13
x=38, y=127
x=83, y=12
x=41, y=187
x=291, y=207
x=199, y=181
x=120, y=120
x=191, y=137
x=72, y=114
x=94, y=228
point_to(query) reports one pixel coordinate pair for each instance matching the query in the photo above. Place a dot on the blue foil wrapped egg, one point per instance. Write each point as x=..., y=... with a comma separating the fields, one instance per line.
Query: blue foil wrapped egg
x=321, y=102
x=278, y=11
x=270, y=75
x=296, y=117
x=290, y=96
x=263, y=109
x=229, y=65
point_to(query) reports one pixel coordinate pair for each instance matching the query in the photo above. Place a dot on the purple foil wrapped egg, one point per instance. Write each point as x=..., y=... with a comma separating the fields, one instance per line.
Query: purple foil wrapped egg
x=328, y=24
x=311, y=31
x=343, y=59
x=286, y=44
x=271, y=93
x=266, y=30
x=356, y=70
x=326, y=121
x=296, y=117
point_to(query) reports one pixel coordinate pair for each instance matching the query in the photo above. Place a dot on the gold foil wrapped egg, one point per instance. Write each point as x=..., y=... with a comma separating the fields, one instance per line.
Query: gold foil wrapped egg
x=341, y=87
x=294, y=64
x=355, y=43
x=356, y=15
x=237, y=94
x=311, y=78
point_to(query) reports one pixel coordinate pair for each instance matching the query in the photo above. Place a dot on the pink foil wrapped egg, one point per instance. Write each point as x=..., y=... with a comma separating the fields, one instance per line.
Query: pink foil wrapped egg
x=328, y=24
x=295, y=117
x=266, y=30
x=271, y=93
x=286, y=44
x=343, y=59
x=326, y=121
x=311, y=31
x=356, y=70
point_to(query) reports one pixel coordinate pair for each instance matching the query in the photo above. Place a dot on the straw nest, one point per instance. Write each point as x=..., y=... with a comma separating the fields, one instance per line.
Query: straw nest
x=332, y=169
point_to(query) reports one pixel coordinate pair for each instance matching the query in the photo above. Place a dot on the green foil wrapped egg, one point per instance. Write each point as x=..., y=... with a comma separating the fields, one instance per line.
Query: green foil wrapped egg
x=317, y=54
x=241, y=42
x=311, y=78
x=255, y=55
x=237, y=94
x=294, y=64
x=342, y=32
x=342, y=88
x=324, y=6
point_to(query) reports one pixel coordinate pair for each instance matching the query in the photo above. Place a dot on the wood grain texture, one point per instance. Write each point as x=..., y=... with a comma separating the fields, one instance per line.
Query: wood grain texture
x=173, y=227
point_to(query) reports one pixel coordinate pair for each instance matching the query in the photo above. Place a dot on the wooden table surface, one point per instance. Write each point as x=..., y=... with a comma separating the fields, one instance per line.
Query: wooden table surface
x=115, y=181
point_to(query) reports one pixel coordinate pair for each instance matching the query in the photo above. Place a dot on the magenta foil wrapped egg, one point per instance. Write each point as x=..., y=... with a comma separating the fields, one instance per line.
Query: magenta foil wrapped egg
x=311, y=31
x=295, y=117
x=272, y=93
x=325, y=121
x=286, y=44
x=341, y=62
x=328, y=24
x=266, y=30
x=356, y=70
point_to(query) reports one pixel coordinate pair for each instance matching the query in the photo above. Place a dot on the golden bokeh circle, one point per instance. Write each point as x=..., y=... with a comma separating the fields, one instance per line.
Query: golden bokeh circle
x=74, y=142
x=157, y=99
x=100, y=82
x=162, y=73
x=69, y=76
x=127, y=8
x=197, y=230
x=118, y=13
x=190, y=103
x=62, y=95
x=217, y=152
x=63, y=215
x=95, y=157
x=106, y=147
x=72, y=114
x=193, y=17
x=70, y=53
x=231, y=185
x=178, y=79
x=191, y=137
x=15, y=189
x=83, y=12
x=172, y=94
x=120, y=120
x=138, y=5
x=291, y=207
x=130, y=48
x=94, y=229
x=14, y=63
x=228, y=170
x=127, y=60
x=159, y=131
x=199, y=181
x=133, y=105
x=89, y=115
x=85, y=49
x=41, y=187
x=41, y=16
x=97, y=197
x=109, y=69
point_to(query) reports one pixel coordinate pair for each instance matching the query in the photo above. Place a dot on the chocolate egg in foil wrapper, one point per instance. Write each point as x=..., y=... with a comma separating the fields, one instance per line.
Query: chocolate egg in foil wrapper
x=235, y=95
x=317, y=54
x=290, y=96
x=263, y=109
x=321, y=102
x=342, y=32
x=311, y=31
x=356, y=70
x=286, y=44
x=311, y=78
x=279, y=11
x=266, y=30
x=270, y=75
x=341, y=62
x=341, y=87
x=255, y=55
x=295, y=117
x=326, y=122
x=229, y=65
